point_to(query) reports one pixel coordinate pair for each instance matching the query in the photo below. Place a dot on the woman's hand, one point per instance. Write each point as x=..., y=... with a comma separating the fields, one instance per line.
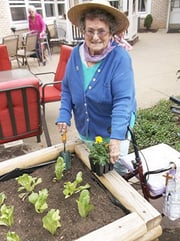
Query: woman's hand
x=42, y=34
x=114, y=150
x=63, y=127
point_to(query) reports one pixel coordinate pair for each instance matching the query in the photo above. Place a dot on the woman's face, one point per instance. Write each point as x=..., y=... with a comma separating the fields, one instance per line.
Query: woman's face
x=32, y=13
x=97, y=35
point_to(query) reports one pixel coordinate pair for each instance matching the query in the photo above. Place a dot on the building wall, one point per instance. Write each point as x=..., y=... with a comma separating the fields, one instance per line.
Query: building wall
x=159, y=11
x=5, y=19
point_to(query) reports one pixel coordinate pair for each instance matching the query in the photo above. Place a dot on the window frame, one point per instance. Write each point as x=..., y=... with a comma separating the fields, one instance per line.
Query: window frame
x=41, y=7
x=147, y=10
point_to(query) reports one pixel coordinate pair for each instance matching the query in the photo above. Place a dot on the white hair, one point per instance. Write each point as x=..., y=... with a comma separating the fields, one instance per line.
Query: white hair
x=31, y=8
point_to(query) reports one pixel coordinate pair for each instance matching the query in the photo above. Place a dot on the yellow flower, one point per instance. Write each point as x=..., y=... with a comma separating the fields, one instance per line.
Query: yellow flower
x=99, y=151
x=99, y=139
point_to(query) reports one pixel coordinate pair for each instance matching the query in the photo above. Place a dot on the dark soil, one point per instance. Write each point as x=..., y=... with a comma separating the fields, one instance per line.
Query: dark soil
x=28, y=224
x=170, y=234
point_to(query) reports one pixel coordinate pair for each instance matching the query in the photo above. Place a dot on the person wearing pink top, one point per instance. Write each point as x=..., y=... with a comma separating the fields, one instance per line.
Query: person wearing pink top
x=36, y=23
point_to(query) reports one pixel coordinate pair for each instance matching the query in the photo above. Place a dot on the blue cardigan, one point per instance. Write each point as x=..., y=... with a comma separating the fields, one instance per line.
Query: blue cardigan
x=106, y=107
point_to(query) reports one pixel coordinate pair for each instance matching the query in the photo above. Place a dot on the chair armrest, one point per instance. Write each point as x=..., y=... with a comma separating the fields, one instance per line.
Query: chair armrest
x=175, y=109
x=41, y=73
x=175, y=99
x=51, y=72
x=49, y=83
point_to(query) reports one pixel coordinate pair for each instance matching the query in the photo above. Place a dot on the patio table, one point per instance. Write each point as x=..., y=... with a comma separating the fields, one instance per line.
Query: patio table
x=15, y=74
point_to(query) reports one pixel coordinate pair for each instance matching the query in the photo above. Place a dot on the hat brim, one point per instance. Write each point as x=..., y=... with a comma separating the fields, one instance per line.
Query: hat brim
x=76, y=11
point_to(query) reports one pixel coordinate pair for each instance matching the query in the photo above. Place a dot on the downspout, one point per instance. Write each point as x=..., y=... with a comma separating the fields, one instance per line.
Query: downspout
x=168, y=16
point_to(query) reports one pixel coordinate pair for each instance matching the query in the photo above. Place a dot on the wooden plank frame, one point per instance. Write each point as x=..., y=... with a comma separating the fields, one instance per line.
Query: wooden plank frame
x=142, y=224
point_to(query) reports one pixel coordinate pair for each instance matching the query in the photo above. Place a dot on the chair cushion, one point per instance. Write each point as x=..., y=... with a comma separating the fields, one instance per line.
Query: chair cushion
x=18, y=83
x=51, y=94
x=5, y=63
x=64, y=57
x=153, y=158
x=19, y=110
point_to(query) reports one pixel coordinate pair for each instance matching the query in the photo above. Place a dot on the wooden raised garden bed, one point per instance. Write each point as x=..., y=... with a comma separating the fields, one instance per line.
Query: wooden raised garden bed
x=143, y=221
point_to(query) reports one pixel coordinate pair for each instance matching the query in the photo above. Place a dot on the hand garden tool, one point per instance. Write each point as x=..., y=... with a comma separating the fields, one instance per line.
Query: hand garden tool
x=66, y=154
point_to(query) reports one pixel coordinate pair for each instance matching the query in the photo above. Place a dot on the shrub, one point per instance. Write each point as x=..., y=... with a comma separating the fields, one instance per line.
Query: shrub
x=157, y=125
x=148, y=21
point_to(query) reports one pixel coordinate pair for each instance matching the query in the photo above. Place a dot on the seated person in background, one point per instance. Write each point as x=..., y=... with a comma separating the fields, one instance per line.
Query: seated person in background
x=36, y=23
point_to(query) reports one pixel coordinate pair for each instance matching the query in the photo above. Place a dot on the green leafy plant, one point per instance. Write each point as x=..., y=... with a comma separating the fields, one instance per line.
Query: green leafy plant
x=99, y=151
x=84, y=206
x=148, y=21
x=39, y=200
x=157, y=125
x=2, y=198
x=52, y=221
x=12, y=236
x=73, y=187
x=27, y=183
x=7, y=215
x=59, y=168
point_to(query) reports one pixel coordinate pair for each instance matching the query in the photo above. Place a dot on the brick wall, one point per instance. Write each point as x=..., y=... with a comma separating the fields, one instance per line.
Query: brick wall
x=5, y=18
x=159, y=11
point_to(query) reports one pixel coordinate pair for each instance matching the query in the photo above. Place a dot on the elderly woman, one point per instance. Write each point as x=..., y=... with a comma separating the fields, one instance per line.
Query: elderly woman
x=98, y=85
x=36, y=23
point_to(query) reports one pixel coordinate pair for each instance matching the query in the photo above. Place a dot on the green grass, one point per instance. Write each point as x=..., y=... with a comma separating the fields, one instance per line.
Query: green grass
x=157, y=125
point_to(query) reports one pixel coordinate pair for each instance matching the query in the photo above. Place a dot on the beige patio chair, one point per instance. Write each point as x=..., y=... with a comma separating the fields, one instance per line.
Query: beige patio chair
x=28, y=49
x=11, y=41
x=59, y=36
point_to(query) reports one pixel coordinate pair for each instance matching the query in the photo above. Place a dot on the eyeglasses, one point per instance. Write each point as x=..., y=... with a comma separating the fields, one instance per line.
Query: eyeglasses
x=101, y=33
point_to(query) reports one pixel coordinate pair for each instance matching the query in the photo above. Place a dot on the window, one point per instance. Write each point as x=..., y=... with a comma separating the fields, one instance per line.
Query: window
x=175, y=3
x=21, y=13
x=142, y=4
x=18, y=10
x=61, y=10
x=47, y=8
x=114, y=3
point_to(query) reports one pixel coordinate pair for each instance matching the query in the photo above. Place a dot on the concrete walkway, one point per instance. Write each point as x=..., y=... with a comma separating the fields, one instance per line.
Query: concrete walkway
x=156, y=59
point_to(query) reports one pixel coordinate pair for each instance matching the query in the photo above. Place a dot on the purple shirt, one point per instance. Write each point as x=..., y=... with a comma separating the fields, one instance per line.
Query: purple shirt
x=38, y=24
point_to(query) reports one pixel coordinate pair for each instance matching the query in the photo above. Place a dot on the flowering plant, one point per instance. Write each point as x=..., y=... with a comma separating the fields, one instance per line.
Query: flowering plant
x=99, y=151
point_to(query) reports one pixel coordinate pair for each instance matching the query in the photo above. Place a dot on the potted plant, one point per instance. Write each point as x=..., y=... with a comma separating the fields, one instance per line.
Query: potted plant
x=99, y=157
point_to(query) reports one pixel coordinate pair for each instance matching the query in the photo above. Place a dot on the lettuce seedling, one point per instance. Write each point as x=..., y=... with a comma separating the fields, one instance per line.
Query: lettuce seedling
x=51, y=221
x=28, y=184
x=59, y=168
x=72, y=187
x=12, y=236
x=2, y=198
x=7, y=215
x=39, y=200
x=84, y=206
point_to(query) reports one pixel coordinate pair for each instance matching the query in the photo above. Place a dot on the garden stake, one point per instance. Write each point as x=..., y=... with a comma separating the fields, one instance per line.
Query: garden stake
x=65, y=154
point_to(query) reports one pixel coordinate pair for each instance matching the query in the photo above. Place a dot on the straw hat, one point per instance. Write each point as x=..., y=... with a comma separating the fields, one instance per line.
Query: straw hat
x=76, y=11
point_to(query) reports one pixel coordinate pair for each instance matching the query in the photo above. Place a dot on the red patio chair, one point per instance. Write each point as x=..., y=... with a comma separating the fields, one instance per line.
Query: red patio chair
x=5, y=63
x=51, y=91
x=20, y=111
